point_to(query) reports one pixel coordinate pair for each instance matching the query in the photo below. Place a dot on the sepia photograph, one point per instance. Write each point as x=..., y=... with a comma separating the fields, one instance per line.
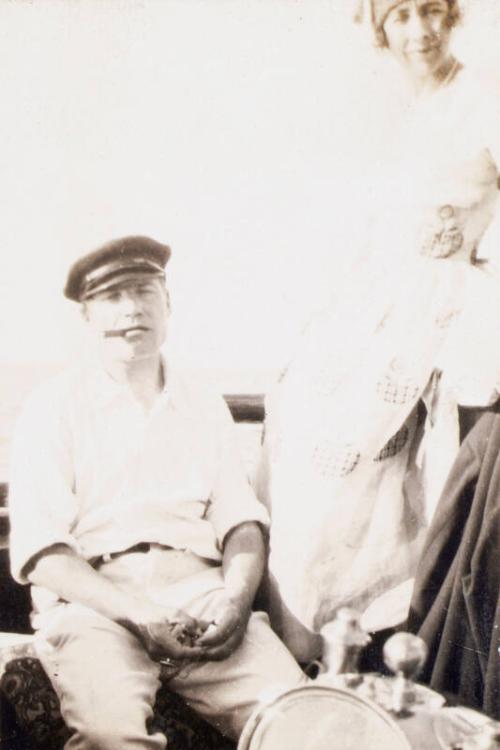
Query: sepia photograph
x=249, y=378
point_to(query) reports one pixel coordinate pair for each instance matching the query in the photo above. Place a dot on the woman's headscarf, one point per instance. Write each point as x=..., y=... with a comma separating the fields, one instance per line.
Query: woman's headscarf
x=380, y=9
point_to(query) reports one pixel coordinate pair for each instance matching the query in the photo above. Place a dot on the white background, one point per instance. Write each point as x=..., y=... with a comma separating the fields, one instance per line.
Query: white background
x=224, y=127
x=227, y=128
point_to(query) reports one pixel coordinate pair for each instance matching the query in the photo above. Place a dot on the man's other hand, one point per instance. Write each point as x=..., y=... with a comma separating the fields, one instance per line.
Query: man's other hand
x=228, y=621
x=167, y=632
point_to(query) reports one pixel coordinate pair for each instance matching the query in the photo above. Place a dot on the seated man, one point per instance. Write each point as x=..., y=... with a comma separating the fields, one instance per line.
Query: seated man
x=134, y=522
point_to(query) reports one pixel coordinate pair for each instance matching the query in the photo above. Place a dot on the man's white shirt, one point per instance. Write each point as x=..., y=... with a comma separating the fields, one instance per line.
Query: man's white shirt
x=92, y=470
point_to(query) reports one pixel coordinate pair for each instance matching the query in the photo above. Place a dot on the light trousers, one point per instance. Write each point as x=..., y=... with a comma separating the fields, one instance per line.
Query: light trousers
x=107, y=683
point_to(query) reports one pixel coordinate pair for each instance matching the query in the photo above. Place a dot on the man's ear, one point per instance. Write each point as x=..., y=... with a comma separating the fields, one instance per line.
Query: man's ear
x=84, y=311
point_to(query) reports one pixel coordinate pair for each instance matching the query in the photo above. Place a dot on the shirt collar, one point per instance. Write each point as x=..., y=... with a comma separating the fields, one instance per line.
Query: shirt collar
x=105, y=391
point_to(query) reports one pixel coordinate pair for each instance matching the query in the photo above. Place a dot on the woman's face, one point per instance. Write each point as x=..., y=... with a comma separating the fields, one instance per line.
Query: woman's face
x=418, y=35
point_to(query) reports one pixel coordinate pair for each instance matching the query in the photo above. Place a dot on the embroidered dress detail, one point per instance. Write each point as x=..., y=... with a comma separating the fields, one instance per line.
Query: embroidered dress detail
x=397, y=391
x=333, y=460
x=448, y=239
x=394, y=445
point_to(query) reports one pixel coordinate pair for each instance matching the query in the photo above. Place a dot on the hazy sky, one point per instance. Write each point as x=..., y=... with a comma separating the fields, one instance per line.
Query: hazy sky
x=226, y=128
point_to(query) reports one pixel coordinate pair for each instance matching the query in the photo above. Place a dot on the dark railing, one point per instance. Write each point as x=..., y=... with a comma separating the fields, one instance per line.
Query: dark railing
x=4, y=516
x=246, y=407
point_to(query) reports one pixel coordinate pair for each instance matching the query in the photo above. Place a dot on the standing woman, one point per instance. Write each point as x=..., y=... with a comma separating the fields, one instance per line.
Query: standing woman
x=351, y=474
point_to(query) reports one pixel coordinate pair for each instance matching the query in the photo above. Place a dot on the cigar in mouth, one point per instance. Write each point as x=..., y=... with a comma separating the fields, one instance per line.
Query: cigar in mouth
x=116, y=332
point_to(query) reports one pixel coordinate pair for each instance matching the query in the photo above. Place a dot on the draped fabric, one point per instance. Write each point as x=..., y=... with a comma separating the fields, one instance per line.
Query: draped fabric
x=349, y=489
x=456, y=601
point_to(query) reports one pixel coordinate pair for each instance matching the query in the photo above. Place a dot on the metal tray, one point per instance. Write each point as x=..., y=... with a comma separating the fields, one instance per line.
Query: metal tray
x=322, y=718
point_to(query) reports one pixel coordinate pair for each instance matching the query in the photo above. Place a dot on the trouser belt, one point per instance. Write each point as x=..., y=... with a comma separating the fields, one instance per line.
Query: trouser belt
x=139, y=547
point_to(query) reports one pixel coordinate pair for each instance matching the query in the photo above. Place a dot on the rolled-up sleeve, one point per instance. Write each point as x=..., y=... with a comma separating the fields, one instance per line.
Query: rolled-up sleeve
x=233, y=500
x=42, y=504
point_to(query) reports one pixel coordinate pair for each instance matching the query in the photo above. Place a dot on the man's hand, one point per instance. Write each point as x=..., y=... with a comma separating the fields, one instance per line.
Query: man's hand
x=167, y=632
x=242, y=562
x=228, y=621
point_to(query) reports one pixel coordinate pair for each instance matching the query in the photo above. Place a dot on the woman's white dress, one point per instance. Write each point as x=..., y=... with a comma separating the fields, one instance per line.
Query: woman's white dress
x=350, y=494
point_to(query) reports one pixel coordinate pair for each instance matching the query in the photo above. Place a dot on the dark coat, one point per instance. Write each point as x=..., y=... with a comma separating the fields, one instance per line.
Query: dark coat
x=456, y=605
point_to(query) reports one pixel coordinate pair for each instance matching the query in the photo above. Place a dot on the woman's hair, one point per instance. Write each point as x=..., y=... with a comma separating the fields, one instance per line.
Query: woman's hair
x=454, y=16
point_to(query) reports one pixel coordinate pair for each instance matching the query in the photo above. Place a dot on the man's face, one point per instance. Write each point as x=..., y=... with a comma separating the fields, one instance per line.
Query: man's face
x=418, y=33
x=129, y=320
